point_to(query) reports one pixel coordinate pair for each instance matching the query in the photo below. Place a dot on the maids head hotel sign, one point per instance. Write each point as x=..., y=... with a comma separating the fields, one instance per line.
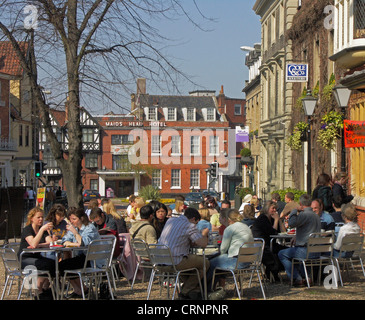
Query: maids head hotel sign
x=133, y=124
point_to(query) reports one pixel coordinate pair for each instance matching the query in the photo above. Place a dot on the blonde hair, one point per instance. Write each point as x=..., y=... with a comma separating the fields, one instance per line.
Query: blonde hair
x=349, y=212
x=140, y=202
x=109, y=208
x=32, y=213
x=254, y=202
x=204, y=214
x=234, y=215
x=178, y=204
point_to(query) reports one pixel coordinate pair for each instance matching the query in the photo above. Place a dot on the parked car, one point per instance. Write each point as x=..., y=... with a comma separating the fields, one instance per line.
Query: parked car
x=212, y=193
x=90, y=194
x=193, y=198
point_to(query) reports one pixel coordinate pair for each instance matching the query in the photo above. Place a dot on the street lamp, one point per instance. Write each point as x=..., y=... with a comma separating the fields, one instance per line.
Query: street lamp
x=309, y=103
x=342, y=95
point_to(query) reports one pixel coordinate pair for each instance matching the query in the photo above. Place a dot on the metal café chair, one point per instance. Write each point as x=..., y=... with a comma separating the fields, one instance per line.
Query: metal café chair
x=164, y=266
x=140, y=248
x=350, y=252
x=319, y=254
x=248, y=260
x=112, y=261
x=119, y=260
x=98, y=250
x=13, y=271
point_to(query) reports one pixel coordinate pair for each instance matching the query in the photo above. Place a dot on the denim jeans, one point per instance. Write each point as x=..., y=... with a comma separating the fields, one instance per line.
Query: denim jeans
x=286, y=255
x=221, y=261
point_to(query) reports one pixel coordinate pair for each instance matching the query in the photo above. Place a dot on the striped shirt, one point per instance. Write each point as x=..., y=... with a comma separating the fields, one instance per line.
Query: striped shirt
x=178, y=234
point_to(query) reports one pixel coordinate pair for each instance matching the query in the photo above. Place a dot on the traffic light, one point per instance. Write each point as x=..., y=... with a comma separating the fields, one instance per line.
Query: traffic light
x=38, y=169
x=214, y=170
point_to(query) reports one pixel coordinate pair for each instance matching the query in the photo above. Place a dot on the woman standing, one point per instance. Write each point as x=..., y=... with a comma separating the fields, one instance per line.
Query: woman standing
x=36, y=235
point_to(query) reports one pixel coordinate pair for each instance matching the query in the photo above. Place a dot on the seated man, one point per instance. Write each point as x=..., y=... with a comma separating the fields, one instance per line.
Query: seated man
x=106, y=225
x=178, y=234
x=306, y=221
x=143, y=229
x=327, y=221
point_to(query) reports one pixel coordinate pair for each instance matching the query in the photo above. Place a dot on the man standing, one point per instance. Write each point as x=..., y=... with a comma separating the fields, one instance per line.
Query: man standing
x=306, y=221
x=178, y=234
x=143, y=229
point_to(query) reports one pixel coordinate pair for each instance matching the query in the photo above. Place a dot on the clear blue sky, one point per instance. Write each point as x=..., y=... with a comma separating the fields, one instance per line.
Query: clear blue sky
x=214, y=57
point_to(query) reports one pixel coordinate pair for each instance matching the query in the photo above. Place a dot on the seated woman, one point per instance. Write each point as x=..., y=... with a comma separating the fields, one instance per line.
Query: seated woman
x=80, y=233
x=204, y=220
x=350, y=216
x=234, y=236
x=159, y=217
x=36, y=235
x=248, y=215
x=266, y=224
x=109, y=209
x=56, y=216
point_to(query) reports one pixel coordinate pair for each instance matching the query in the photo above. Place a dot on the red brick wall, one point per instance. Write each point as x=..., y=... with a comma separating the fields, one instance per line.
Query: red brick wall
x=166, y=168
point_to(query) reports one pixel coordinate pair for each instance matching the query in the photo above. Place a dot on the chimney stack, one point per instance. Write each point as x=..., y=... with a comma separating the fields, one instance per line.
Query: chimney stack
x=141, y=86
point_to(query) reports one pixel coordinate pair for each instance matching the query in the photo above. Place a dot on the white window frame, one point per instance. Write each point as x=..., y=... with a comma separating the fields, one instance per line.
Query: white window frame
x=175, y=175
x=155, y=145
x=240, y=110
x=175, y=145
x=171, y=114
x=194, y=179
x=211, y=114
x=194, y=145
x=213, y=145
x=152, y=113
x=157, y=177
x=190, y=112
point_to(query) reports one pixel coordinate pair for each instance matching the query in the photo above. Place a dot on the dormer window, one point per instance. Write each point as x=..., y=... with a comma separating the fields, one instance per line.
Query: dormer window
x=190, y=116
x=152, y=114
x=211, y=114
x=171, y=114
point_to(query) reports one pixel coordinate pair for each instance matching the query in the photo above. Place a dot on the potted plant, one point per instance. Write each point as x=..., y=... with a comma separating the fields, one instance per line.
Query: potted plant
x=330, y=131
x=246, y=156
x=295, y=140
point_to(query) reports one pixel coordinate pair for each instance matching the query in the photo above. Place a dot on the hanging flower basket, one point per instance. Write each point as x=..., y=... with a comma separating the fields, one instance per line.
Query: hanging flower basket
x=299, y=135
x=332, y=124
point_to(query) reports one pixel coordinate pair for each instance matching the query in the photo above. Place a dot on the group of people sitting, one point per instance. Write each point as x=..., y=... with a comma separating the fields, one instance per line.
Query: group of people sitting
x=182, y=227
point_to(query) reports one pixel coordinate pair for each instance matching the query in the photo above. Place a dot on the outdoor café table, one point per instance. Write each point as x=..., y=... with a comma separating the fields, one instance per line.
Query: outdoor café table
x=57, y=250
x=282, y=237
x=210, y=250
